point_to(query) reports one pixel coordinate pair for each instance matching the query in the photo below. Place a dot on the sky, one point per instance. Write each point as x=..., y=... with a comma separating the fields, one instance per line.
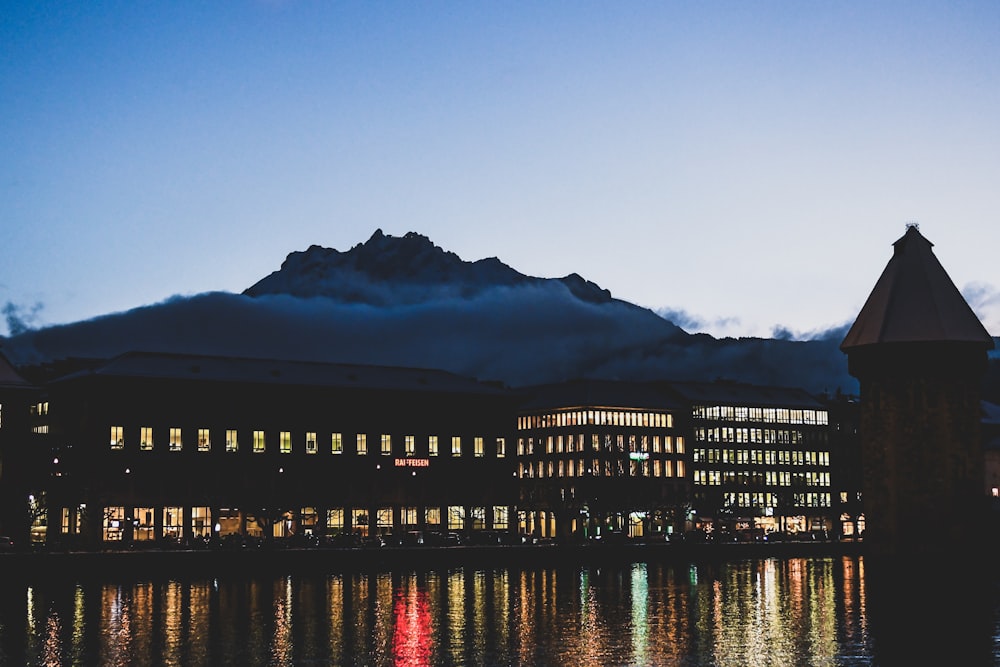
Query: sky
x=743, y=168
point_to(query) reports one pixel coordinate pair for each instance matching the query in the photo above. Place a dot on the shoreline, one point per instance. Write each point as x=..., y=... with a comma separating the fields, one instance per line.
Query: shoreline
x=210, y=563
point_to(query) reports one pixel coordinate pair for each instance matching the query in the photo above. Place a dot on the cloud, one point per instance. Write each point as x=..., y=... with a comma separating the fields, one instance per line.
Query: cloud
x=985, y=302
x=520, y=335
x=695, y=323
x=21, y=318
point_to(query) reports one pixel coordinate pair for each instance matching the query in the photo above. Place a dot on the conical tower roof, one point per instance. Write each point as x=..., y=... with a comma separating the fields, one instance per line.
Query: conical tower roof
x=915, y=301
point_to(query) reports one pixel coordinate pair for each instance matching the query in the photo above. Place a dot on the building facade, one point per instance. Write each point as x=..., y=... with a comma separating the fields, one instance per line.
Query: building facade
x=760, y=458
x=154, y=447
x=599, y=458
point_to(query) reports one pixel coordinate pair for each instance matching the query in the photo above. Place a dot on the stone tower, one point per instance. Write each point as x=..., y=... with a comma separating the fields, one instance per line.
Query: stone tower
x=919, y=353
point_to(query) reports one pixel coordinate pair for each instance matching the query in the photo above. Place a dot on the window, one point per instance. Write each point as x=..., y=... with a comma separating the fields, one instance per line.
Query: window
x=500, y=517
x=337, y=443
x=432, y=516
x=311, y=443
x=362, y=444
x=259, y=442
x=456, y=445
x=335, y=520
x=285, y=442
x=117, y=441
x=456, y=517
x=114, y=523
x=386, y=445
x=409, y=445
x=204, y=441
x=173, y=522
x=201, y=522
x=501, y=448
x=408, y=516
x=477, y=447
x=176, y=444
x=432, y=445
x=232, y=442
x=146, y=438
x=144, y=530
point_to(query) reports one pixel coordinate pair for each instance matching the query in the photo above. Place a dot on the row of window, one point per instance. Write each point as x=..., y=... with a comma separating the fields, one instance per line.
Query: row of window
x=200, y=523
x=755, y=435
x=260, y=440
x=601, y=468
x=596, y=418
x=744, y=413
x=767, y=457
x=769, y=478
x=770, y=501
x=559, y=444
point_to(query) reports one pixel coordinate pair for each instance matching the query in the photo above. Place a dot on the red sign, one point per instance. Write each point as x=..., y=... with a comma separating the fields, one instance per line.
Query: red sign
x=412, y=463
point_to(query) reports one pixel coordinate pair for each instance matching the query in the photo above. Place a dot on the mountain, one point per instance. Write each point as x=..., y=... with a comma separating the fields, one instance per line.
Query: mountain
x=405, y=301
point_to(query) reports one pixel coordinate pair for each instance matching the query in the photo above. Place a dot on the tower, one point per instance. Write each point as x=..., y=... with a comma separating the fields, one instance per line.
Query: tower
x=919, y=353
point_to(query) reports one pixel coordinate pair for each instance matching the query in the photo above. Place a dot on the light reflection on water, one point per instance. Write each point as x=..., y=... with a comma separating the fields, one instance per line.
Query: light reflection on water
x=770, y=612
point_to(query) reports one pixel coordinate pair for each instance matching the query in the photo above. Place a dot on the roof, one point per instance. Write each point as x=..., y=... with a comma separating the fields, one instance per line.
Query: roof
x=9, y=377
x=738, y=393
x=167, y=366
x=585, y=393
x=914, y=301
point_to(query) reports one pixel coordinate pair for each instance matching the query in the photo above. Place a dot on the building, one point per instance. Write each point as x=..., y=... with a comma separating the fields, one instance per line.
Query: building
x=19, y=456
x=919, y=353
x=598, y=458
x=150, y=447
x=760, y=458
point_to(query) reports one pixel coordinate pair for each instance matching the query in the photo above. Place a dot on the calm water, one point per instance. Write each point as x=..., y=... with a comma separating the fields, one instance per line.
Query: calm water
x=795, y=611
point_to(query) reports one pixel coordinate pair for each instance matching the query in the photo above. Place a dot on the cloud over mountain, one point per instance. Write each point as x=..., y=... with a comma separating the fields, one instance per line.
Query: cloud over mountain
x=405, y=301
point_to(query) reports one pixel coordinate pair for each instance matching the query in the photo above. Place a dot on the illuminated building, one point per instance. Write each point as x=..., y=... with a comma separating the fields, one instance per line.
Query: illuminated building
x=153, y=446
x=760, y=457
x=600, y=456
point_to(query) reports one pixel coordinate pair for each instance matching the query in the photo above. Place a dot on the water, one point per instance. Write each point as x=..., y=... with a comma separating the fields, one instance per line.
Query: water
x=759, y=612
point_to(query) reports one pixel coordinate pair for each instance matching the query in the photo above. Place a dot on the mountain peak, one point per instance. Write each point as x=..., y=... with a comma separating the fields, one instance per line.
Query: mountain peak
x=389, y=269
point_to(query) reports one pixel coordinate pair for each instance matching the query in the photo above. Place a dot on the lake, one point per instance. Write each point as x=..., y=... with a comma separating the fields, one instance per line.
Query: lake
x=774, y=611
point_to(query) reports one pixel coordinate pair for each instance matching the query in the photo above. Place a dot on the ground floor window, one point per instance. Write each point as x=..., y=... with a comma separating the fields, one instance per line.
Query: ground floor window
x=456, y=517
x=383, y=520
x=145, y=530
x=173, y=522
x=229, y=522
x=201, y=522
x=308, y=519
x=114, y=523
x=335, y=520
x=500, y=517
x=359, y=521
x=478, y=516
x=432, y=516
x=408, y=517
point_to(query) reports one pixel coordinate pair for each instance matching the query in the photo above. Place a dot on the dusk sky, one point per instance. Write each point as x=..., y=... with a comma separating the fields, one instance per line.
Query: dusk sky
x=747, y=165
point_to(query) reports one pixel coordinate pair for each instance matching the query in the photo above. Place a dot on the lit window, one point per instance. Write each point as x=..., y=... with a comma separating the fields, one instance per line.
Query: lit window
x=259, y=443
x=232, y=442
x=311, y=443
x=146, y=438
x=477, y=447
x=501, y=448
x=335, y=519
x=176, y=444
x=456, y=517
x=409, y=444
x=456, y=445
x=285, y=442
x=362, y=444
x=432, y=516
x=117, y=441
x=432, y=446
x=173, y=522
x=337, y=443
x=114, y=523
x=500, y=517
x=204, y=441
x=386, y=444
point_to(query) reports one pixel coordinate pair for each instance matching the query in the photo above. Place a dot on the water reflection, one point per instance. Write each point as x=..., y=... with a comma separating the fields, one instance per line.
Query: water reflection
x=757, y=612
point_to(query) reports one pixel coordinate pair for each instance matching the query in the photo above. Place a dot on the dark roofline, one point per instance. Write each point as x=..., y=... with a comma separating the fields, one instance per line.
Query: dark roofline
x=253, y=370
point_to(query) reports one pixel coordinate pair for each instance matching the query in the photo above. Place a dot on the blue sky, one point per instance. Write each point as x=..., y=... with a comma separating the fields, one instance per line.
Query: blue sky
x=746, y=164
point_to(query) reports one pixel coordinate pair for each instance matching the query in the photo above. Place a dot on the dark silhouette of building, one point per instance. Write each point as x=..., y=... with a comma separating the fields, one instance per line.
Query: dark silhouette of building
x=151, y=447
x=919, y=353
x=18, y=455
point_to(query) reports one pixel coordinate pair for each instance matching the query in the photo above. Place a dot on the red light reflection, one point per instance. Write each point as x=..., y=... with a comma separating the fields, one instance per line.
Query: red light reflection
x=412, y=636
